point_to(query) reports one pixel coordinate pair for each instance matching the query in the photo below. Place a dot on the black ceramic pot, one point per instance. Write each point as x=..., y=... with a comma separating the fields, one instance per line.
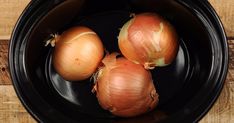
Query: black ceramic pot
x=187, y=88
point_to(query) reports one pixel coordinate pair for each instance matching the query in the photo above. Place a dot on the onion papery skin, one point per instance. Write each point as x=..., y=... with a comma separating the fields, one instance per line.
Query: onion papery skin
x=77, y=54
x=124, y=88
x=149, y=39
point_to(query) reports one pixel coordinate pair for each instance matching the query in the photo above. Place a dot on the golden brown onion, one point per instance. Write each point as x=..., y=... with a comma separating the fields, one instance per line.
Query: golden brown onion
x=148, y=39
x=124, y=88
x=77, y=54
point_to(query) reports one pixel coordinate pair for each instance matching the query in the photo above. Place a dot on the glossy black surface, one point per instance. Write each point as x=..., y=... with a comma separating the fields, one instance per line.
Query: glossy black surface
x=187, y=88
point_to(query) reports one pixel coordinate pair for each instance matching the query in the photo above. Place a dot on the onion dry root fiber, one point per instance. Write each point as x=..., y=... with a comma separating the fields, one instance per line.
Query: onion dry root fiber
x=124, y=88
x=77, y=54
x=148, y=39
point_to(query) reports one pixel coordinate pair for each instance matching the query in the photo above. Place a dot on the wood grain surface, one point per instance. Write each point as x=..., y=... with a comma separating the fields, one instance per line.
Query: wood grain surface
x=9, y=13
x=225, y=10
x=4, y=70
x=12, y=111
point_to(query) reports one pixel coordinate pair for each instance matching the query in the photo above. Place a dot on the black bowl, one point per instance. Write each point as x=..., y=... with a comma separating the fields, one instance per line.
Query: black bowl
x=187, y=88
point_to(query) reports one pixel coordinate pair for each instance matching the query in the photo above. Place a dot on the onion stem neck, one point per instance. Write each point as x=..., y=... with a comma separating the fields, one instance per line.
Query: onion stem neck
x=52, y=41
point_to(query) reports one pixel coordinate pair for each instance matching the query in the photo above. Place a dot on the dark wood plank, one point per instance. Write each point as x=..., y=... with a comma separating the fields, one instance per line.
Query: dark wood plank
x=4, y=69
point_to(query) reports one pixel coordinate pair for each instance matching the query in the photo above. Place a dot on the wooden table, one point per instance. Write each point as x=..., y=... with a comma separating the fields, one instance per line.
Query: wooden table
x=12, y=111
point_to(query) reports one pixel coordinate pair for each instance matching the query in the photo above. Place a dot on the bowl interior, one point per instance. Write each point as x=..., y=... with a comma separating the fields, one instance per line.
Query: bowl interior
x=177, y=84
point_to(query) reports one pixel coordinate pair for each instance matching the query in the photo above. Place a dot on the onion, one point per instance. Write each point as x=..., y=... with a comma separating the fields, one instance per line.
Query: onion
x=124, y=88
x=77, y=54
x=148, y=39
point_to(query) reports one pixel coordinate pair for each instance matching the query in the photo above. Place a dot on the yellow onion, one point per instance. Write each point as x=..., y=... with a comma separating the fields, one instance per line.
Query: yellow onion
x=148, y=39
x=77, y=54
x=124, y=88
